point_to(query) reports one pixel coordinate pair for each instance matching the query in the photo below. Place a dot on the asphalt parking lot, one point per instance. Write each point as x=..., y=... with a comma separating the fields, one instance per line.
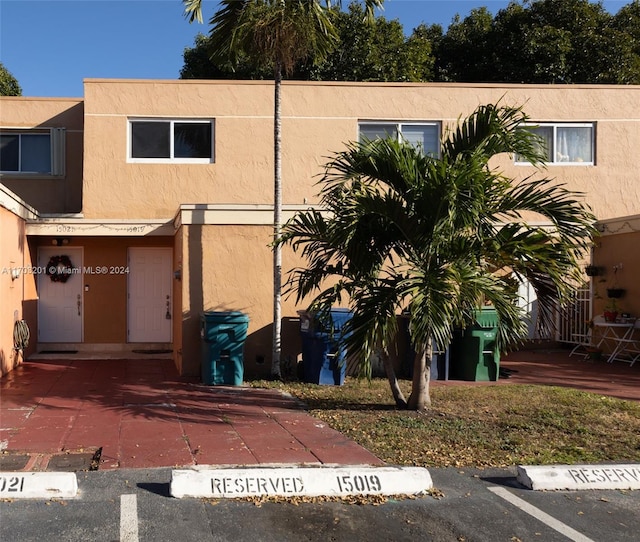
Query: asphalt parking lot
x=468, y=505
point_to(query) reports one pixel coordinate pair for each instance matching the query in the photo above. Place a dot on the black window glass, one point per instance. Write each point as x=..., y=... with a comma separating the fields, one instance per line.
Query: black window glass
x=9, y=152
x=150, y=140
x=192, y=140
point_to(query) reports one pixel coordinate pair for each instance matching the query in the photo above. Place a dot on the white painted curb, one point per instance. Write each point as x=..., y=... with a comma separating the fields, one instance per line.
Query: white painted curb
x=38, y=485
x=299, y=481
x=576, y=477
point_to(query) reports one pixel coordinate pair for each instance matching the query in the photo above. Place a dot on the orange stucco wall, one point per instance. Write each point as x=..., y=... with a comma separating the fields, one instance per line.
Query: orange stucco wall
x=229, y=268
x=228, y=265
x=46, y=194
x=17, y=296
x=318, y=118
x=610, y=251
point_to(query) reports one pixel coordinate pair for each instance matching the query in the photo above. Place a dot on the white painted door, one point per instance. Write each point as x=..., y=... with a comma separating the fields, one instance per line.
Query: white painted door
x=149, y=295
x=60, y=303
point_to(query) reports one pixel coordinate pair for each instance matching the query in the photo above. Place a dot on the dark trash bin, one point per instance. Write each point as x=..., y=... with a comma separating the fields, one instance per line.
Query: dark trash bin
x=223, y=336
x=474, y=352
x=439, y=357
x=323, y=350
x=439, y=363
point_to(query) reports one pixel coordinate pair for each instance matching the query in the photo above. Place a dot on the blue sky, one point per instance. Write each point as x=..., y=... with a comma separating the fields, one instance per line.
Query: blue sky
x=50, y=46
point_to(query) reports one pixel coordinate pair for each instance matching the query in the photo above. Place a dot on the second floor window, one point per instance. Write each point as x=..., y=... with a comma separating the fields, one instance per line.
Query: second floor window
x=171, y=140
x=37, y=152
x=423, y=135
x=565, y=143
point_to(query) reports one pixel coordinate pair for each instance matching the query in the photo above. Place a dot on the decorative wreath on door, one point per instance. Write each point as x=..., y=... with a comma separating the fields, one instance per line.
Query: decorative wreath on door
x=59, y=268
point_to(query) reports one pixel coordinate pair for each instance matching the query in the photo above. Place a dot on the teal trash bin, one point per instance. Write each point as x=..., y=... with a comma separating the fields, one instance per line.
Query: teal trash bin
x=474, y=352
x=223, y=336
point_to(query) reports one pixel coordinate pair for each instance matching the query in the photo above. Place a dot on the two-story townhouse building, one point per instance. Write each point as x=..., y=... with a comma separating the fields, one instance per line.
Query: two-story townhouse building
x=160, y=194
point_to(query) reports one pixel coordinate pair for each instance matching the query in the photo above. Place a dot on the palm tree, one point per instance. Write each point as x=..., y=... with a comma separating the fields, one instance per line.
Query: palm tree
x=276, y=33
x=434, y=238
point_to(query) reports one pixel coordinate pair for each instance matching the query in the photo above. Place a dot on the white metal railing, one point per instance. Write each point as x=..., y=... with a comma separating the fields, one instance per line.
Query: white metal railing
x=573, y=320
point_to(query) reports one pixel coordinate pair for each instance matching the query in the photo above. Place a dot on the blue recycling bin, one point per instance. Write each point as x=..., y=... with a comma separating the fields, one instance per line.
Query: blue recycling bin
x=323, y=350
x=223, y=336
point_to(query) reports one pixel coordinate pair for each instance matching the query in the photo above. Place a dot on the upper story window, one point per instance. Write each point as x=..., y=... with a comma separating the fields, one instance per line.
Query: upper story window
x=425, y=135
x=565, y=143
x=38, y=151
x=163, y=140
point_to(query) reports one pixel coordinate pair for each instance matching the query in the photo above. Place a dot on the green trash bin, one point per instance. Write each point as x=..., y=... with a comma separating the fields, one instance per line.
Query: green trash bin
x=223, y=335
x=474, y=352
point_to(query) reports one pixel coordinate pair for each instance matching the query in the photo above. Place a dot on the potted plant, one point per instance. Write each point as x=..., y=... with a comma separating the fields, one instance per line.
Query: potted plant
x=611, y=311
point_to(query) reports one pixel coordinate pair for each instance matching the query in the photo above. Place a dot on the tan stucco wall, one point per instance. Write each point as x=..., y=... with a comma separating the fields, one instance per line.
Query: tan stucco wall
x=317, y=119
x=229, y=268
x=615, y=249
x=48, y=195
x=17, y=297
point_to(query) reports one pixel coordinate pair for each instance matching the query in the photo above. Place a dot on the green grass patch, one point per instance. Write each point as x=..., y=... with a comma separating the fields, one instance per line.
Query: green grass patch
x=478, y=426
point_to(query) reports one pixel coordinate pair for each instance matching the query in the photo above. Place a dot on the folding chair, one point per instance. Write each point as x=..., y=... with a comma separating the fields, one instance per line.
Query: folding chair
x=627, y=348
x=584, y=341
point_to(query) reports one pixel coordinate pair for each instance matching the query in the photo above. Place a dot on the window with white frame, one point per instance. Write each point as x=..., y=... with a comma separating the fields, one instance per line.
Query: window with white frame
x=425, y=135
x=171, y=140
x=564, y=143
x=37, y=151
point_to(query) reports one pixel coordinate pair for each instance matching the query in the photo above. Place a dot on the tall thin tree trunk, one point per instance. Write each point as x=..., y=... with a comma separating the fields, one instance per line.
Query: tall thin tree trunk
x=420, y=398
x=398, y=396
x=277, y=224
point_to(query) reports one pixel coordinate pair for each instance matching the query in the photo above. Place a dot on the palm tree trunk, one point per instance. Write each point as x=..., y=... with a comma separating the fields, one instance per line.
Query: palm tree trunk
x=398, y=396
x=420, y=398
x=277, y=224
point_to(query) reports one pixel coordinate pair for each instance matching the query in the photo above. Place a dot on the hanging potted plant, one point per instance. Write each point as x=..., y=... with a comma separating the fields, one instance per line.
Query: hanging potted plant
x=615, y=292
x=592, y=270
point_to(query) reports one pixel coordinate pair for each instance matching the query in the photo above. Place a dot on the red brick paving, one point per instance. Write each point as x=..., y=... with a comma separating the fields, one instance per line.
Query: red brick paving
x=556, y=368
x=142, y=414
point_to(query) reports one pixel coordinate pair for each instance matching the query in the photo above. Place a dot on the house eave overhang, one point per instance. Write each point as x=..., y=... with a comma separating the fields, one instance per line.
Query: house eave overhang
x=622, y=224
x=78, y=226
x=16, y=205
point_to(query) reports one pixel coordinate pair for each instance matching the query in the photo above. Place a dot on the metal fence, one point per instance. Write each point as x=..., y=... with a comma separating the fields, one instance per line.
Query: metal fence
x=573, y=320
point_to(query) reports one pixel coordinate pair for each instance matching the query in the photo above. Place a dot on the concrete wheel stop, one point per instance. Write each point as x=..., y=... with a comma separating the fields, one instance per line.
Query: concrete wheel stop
x=280, y=481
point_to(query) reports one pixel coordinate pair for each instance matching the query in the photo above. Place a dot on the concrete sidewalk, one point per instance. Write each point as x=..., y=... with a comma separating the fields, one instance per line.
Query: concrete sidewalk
x=61, y=414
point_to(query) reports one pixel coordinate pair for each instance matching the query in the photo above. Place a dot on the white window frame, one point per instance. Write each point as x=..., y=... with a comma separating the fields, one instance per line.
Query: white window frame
x=555, y=126
x=172, y=159
x=57, y=149
x=398, y=128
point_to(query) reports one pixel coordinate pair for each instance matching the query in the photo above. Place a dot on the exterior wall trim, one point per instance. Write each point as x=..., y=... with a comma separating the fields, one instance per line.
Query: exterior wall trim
x=622, y=224
x=81, y=227
x=230, y=214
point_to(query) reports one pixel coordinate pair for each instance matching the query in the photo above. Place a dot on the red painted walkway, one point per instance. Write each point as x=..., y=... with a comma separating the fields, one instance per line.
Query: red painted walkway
x=142, y=414
x=555, y=368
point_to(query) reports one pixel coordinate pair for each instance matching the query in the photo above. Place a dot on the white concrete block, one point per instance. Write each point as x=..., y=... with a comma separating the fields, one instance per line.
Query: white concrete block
x=299, y=481
x=576, y=477
x=38, y=485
